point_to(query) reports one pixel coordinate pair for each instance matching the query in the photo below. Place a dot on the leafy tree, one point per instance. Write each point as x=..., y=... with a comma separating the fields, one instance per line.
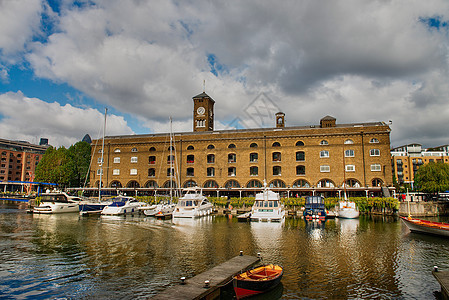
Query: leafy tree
x=79, y=161
x=433, y=177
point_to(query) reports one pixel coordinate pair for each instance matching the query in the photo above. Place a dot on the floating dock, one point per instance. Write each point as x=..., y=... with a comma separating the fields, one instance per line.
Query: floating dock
x=443, y=279
x=196, y=287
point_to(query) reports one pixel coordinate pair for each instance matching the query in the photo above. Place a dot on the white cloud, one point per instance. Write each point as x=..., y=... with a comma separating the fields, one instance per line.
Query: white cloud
x=30, y=119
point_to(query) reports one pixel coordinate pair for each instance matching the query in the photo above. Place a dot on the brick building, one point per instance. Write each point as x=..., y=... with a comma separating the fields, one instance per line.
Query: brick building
x=18, y=160
x=298, y=160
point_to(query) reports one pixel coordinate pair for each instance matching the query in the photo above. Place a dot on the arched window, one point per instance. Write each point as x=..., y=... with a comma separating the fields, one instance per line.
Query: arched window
x=299, y=144
x=349, y=142
x=116, y=184
x=117, y=150
x=253, y=145
x=134, y=150
x=151, y=172
x=324, y=153
x=376, y=182
x=190, y=147
x=210, y=184
x=151, y=184
x=276, y=144
x=189, y=183
x=231, y=146
x=152, y=160
x=301, y=183
x=325, y=183
x=210, y=172
x=210, y=158
x=190, y=159
x=211, y=147
x=324, y=142
x=352, y=183
x=253, y=157
x=232, y=171
x=254, y=171
x=171, y=148
x=277, y=183
x=300, y=170
x=232, y=158
x=374, y=141
x=232, y=184
x=133, y=184
x=170, y=184
x=276, y=156
x=300, y=156
x=152, y=149
x=254, y=184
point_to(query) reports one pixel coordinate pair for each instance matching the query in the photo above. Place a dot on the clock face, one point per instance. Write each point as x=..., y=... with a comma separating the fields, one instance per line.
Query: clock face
x=201, y=110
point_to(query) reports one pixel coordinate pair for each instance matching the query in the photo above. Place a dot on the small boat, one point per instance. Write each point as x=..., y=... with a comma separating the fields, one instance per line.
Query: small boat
x=192, y=204
x=162, y=208
x=427, y=227
x=92, y=207
x=314, y=208
x=267, y=207
x=56, y=203
x=257, y=281
x=348, y=210
x=122, y=205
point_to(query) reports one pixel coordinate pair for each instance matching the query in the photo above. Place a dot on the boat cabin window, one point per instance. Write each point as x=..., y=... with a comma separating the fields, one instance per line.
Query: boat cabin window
x=54, y=198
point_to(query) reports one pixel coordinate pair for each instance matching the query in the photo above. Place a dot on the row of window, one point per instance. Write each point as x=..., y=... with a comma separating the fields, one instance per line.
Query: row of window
x=254, y=183
x=253, y=171
x=253, y=157
x=253, y=145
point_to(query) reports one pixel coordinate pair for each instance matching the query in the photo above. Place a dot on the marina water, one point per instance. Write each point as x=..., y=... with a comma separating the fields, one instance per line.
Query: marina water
x=73, y=257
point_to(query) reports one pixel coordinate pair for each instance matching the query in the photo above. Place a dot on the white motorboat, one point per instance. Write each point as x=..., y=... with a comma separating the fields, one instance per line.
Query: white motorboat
x=162, y=208
x=192, y=204
x=56, y=203
x=348, y=210
x=267, y=207
x=122, y=205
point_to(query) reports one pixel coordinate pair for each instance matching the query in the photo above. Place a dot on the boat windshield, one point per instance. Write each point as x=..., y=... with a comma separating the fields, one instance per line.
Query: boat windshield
x=186, y=203
x=54, y=198
x=267, y=204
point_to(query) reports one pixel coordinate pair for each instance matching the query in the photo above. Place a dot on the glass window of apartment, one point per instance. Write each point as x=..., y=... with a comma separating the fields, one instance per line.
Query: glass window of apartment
x=253, y=157
x=232, y=158
x=232, y=184
x=99, y=171
x=231, y=146
x=277, y=171
x=376, y=168
x=374, y=141
x=326, y=183
x=299, y=144
x=232, y=171
x=277, y=183
x=300, y=170
x=116, y=160
x=170, y=171
x=254, y=184
x=350, y=168
x=349, y=142
x=190, y=172
x=152, y=149
x=151, y=172
x=253, y=145
x=152, y=160
x=133, y=172
x=349, y=153
x=190, y=159
x=116, y=172
x=134, y=150
x=374, y=152
x=324, y=142
x=325, y=168
x=210, y=158
x=134, y=159
x=276, y=144
x=190, y=147
x=170, y=159
x=211, y=147
x=324, y=153
x=254, y=171
x=276, y=156
x=300, y=156
x=117, y=150
x=210, y=172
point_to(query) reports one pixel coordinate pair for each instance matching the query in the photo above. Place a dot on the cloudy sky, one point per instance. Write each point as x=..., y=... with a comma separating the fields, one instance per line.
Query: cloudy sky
x=63, y=62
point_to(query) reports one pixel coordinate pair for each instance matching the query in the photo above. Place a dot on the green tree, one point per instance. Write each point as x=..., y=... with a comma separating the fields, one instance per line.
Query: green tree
x=433, y=177
x=79, y=161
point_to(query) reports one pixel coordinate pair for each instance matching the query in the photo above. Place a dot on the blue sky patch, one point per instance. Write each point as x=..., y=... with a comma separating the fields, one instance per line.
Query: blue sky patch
x=435, y=22
x=215, y=67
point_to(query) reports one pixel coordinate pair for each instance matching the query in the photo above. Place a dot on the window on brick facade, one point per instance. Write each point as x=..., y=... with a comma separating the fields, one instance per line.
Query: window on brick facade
x=349, y=153
x=210, y=158
x=253, y=157
x=254, y=171
x=324, y=153
x=300, y=156
x=151, y=172
x=300, y=170
x=374, y=152
x=276, y=156
x=210, y=172
x=277, y=171
x=190, y=159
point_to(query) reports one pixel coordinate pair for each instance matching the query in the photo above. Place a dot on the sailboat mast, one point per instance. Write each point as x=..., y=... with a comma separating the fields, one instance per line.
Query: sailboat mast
x=102, y=154
x=171, y=162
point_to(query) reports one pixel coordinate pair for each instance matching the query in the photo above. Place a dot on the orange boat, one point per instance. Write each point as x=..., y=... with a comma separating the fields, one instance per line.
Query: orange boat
x=257, y=281
x=427, y=227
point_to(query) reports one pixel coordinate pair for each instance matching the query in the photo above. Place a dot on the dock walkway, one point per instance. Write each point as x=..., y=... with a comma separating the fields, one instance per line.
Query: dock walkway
x=194, y=288
x=443, y=279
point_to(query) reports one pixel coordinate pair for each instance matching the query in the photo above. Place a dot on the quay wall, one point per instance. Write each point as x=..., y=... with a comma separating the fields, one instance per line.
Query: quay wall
x=424, y=209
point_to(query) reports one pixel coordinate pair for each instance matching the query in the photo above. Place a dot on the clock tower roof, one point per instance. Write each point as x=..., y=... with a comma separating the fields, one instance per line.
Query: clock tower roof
x=203, y=95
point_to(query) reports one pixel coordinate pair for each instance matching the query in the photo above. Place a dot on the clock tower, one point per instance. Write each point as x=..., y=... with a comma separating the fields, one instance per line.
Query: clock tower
x=203, y=113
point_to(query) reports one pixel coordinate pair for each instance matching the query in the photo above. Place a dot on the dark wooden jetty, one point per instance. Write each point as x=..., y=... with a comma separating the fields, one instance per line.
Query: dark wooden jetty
x=195, y=287
x=443, y=279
